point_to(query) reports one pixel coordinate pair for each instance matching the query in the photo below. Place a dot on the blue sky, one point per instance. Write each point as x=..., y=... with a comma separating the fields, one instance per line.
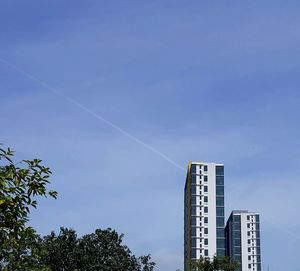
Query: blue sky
x=196, y=80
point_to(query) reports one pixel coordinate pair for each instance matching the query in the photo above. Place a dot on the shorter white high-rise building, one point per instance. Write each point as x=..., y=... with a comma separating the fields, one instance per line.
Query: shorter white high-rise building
x=243, y=239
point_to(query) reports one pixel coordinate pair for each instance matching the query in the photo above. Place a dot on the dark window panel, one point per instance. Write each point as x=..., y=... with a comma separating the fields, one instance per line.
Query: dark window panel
x=220, y=190
x=236, y=226
x=220, y=180
x=194, y=254
x=193, y=232
x=220, y=170
x=220, y=211
x=221, y=252
x=220, y=233
x=193, y=168
x=220, y=243
x=237, y=218
x=220, y=201
x=193, y=189
x=220, y=221
x=194, y=242
x=193, y=179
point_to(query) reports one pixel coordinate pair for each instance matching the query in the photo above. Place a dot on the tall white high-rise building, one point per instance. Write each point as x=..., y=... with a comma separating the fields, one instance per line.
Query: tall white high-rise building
x=204, y=234
x=243, y=239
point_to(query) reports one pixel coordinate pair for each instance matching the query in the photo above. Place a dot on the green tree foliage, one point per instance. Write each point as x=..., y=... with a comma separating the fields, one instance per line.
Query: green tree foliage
x=21, y=249
x=216, y=264
x=145, y=263
x=102, y=250
x=61, y=251
x=20, y=185
x=227, y=264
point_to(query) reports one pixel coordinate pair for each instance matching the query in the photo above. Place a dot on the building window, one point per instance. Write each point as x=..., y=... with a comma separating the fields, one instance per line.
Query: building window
x=220, y=252
x=194, y=232
x=194, y=209
x=205, y=219
x=220, y=243
x=205, y=230
x=220, y=211
x=219, y=170
x=193, y=169
x=237, y=250
x=237, y=242
x=220, y=180
x=205, y=167
x=205, y=179
x=220, y=233
x=194, y=253
x=206, y=242
x=236, y=226
x=220, y=201
x=237, y=218
x=205, y=199
x=194, y=179
x=205, y=188
x=236, y=234
x=220, y=190
x=205, y=252
x=194, y=242
x=205, y=209
x=220, y=222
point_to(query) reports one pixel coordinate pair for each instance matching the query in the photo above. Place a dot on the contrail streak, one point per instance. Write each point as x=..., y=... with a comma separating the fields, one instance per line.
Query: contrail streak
x=278, y=227
x=91, y=112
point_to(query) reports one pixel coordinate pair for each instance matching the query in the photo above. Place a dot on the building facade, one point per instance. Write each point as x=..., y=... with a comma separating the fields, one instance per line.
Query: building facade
x=243, y=239
x=204, y=233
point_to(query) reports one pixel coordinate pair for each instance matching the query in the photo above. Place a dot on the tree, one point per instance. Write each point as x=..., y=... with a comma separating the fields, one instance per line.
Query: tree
x=227, y=264
x=203, y=264
x=102, y=250
x=20, y=185
x=145, y=263
x=22, y=249
x=61, y=251
x=215, y=264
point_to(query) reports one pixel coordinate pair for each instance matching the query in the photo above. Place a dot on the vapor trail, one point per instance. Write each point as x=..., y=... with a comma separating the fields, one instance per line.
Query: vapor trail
x=91, y=112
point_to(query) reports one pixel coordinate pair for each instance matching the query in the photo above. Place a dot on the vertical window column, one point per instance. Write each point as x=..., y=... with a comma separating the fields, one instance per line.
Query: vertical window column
x=220, y=211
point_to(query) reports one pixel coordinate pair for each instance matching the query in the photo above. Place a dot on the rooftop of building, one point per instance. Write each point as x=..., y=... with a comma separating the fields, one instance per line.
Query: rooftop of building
x=243, y=211
x=206, y=163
